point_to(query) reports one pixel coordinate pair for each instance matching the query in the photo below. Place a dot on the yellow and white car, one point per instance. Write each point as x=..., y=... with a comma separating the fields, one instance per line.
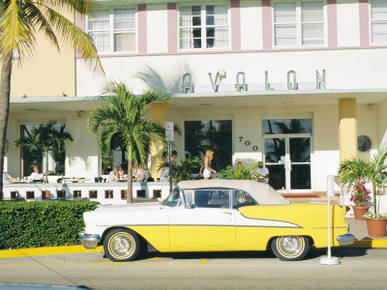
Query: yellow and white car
x=216, y=215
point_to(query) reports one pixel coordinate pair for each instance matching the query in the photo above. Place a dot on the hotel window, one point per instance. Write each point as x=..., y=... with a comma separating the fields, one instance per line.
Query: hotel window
x=298, y=23
x=378, y=21
x=203, y=27
x=113, y=30
x=32, y=153
x=214, y=134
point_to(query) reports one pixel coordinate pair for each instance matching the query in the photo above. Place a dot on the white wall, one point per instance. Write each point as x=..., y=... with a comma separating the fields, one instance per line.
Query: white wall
x=345, y=69
x=157, y=30
x=348, y=27
x=251, y=24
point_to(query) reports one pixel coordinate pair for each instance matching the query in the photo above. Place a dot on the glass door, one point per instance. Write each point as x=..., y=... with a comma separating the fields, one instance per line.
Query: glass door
x=288, y=159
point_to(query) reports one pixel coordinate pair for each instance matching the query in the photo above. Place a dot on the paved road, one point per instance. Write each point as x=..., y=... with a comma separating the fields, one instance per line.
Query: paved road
x=359, y=269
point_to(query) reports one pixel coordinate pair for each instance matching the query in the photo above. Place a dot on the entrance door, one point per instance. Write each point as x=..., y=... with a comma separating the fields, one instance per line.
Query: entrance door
x=287, y=156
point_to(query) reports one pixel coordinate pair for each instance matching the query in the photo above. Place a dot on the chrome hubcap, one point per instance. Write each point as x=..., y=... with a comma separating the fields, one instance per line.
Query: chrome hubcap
x=122, y=246
x=290, y=246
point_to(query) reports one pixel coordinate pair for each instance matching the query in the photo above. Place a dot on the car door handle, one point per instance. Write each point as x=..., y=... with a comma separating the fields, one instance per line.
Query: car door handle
x=227, y=212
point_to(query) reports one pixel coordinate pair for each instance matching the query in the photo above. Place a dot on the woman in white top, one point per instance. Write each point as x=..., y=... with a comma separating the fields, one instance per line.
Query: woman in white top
x=207, y=164
x=36, y=175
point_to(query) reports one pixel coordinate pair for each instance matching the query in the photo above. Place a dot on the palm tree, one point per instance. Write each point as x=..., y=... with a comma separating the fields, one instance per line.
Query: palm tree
x=20, y=23
x=124, y=117
x=44, y=138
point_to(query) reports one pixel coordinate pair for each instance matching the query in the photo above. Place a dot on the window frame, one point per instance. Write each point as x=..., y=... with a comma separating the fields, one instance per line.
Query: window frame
x=112, y=31
x=205, y=26
x=371, y=22
x=299, y=25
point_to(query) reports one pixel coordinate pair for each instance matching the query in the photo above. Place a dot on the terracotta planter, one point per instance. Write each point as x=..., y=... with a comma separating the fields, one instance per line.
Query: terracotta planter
x=359, y=211
x=377, y=227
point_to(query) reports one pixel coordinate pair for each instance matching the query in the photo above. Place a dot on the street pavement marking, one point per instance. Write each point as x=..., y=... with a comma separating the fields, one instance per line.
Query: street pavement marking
x=202, y=263
x=45, y=251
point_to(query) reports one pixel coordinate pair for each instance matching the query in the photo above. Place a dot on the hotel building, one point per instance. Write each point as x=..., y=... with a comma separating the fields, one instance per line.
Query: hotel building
x=299, y=84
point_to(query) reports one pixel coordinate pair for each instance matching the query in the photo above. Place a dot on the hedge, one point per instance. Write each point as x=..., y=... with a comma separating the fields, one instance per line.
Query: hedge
x=39, y=223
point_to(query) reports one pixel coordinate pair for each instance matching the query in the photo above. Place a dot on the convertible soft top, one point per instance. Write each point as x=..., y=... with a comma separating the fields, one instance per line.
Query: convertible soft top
x=263, y=194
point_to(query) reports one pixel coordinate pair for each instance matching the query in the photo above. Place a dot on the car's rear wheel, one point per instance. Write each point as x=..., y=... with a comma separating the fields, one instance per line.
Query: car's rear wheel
x=121, y=245
x=290, y=248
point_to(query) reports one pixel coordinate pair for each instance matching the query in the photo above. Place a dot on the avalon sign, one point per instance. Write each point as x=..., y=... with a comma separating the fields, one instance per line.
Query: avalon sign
x=240, y=85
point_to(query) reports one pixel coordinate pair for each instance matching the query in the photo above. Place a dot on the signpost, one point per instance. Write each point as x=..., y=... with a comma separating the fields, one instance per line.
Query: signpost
x=170, y=137
x=329, y=260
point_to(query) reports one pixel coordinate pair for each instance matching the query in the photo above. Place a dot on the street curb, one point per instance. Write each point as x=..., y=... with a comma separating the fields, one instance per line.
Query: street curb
x=365, y=243
x=45, y=251
x=369, y=243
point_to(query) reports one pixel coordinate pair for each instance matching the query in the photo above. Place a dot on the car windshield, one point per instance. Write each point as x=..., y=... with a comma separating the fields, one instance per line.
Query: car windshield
x=174, y=199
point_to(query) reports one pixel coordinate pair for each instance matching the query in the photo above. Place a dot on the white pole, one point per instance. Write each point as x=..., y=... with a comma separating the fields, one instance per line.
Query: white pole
x=329, y=260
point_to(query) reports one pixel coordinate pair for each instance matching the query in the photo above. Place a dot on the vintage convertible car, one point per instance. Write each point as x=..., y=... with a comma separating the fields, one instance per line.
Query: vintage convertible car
x=216, y=215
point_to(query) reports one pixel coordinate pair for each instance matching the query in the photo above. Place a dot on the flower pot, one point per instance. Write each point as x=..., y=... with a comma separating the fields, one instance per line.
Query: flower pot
x=377, y=227
x=359, y=211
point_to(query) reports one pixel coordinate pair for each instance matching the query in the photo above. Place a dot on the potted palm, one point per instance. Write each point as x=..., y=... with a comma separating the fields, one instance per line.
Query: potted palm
x=375, y=171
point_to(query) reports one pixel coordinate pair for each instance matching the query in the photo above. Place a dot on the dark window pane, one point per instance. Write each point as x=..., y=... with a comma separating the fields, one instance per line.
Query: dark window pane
x=274, y=149
x=196, y=10
x=210, y=20
x=196, y=21
x=210, y=32
x=210, y=43
x=197, y=32
x=300, y=149
x=197, y=43
x=287, y=126
x=215, y=134
x=300, y=177
x=276, y=176
x=210, y=9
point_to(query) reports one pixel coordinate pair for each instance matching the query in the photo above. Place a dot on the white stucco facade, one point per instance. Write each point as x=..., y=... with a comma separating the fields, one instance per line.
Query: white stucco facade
x=341, y=68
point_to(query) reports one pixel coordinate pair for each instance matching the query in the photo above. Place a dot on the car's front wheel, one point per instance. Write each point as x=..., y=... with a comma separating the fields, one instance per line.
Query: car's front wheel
x=290, y=248
x=121, y=245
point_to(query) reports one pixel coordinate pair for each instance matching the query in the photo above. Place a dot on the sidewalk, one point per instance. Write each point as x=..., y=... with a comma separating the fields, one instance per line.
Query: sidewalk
x=359, y=230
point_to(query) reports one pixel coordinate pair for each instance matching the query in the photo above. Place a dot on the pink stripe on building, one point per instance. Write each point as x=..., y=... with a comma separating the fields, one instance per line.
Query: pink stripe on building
x=142, y=28
x=267, y=28
x=235, y=25
x=364, y=20
x=172, y=28
x=332, y=23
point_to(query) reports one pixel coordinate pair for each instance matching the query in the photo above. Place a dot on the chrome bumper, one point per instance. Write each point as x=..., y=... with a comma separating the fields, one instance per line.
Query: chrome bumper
x=346, y=240
x=89, y=241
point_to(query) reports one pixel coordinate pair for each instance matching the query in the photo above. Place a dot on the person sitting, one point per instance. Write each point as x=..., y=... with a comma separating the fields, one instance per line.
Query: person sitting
x=7, y=178
x=120, y=172
x=36, y=176
x=113, y=175
x=140, y=173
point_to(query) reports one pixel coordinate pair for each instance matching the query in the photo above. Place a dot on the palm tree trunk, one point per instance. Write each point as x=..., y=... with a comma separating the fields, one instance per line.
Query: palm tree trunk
x=129, y=196
x=376, y=210
x=46, y=162
x=5, y=92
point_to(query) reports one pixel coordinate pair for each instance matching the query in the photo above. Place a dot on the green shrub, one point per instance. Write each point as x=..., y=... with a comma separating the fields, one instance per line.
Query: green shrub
x=37, y=224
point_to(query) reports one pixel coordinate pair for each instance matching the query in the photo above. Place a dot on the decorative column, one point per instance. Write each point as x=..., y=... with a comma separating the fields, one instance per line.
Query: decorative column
x=347, y=129
x=158, y=113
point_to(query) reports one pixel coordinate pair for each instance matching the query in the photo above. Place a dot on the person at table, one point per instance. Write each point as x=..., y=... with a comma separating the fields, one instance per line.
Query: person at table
x=7, y=178
x=263, y=172
x=113, y=175
x=120, y=172
x=36, y=176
